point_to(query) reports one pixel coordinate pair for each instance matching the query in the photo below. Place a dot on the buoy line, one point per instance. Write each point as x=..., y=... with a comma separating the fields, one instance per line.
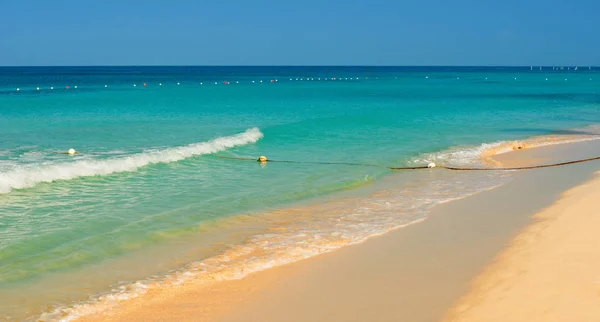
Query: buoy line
x=431, y=165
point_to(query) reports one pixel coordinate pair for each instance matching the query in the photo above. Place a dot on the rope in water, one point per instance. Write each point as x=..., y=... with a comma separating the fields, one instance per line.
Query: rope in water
x=419, y=167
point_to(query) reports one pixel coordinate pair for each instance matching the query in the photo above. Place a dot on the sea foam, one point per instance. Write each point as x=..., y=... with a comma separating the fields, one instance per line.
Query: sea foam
x=27, y=176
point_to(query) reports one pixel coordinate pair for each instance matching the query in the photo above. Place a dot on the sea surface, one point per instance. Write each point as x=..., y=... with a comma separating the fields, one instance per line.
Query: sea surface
x=148, y=201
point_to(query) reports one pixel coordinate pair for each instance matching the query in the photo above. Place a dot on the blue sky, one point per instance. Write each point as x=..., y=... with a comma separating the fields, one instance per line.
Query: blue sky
x=260, y=32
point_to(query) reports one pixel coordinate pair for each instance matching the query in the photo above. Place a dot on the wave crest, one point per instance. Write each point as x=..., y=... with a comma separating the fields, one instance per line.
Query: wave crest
x=30, y=175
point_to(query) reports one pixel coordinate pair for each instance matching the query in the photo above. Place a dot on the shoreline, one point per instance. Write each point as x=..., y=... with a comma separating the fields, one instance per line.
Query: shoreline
x=549, y=272
x=312, y=289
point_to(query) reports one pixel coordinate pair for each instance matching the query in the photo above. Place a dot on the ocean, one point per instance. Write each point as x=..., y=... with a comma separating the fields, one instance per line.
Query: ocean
x=148, y=201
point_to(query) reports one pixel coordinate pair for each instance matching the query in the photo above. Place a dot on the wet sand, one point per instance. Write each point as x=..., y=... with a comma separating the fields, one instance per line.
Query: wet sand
x=549, y=272
x=412, y=274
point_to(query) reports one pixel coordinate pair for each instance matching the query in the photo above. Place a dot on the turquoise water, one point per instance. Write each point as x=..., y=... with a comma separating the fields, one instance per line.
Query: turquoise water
x=147, y=176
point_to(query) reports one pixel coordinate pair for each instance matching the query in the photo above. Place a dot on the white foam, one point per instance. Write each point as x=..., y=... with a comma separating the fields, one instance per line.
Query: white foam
x=471, y=156
x=27, y=176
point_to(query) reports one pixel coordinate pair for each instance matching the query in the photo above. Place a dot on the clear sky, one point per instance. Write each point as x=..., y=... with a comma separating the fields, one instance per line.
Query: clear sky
x=301, y=32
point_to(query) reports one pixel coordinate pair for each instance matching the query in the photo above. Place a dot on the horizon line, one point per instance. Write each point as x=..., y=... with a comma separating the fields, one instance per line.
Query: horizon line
x=489, y=66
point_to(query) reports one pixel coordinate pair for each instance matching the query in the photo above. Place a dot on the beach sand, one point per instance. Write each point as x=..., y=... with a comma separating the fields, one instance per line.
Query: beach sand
x=416, y=273
x=550, y=271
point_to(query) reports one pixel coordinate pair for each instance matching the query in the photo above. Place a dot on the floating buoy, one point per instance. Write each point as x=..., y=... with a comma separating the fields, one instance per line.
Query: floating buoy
x=262, y=159
x=237, y=82
x=37, y=88
x=67, y=87
x=51, y=87
x=75, y=87
x=134, y=85
x=72, y=151
x=225, y=83
x=18, y=89
x=144, y=84
x=159, y=84
x=200, y=83
x=105, y=86
x=252, y=82
x=261, y=80
x=177, y=83
x=431, y=165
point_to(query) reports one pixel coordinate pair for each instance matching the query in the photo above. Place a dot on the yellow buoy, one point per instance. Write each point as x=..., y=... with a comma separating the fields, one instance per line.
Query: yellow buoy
x=262, y=158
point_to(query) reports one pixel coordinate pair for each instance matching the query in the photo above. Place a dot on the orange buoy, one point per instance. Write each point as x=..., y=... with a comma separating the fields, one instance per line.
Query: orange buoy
x=144, y=84
x=67, y=87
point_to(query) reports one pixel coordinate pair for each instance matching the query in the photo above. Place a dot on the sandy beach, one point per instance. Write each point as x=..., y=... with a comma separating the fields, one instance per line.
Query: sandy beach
x=550, y=271
x=489, y=250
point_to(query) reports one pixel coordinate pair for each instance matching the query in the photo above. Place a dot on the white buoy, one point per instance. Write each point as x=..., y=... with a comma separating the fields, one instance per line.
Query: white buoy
x=515, y=78
x=425, y=77
x=486, y=78
x=546, y=78
x=177, y=83
x=215, y=83
x=72, y=151
x=160, y=84
x=261, y=80
x=75, y=86
x=134, y=85
x=457, y=77
x=37, y=88
x=565, y=79
x=431, y=165
x=18, y=89
x=201, y=83
x=105, y=86
x=252, y=82
x=51, y=87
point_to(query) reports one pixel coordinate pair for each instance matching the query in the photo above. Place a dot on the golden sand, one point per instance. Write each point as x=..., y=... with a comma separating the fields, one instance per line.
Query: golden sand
x=550, y=271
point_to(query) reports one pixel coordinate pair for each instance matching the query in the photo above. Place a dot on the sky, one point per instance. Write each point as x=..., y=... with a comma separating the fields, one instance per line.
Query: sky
x=307, y=32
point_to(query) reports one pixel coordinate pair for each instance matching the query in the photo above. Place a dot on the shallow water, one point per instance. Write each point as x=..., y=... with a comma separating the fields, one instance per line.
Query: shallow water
x=147, y=196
